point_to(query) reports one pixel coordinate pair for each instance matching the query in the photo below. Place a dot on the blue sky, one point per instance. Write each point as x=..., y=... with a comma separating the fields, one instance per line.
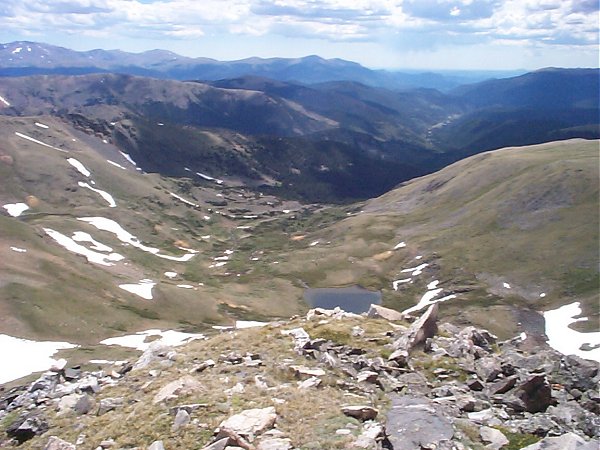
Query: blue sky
x=395, y=34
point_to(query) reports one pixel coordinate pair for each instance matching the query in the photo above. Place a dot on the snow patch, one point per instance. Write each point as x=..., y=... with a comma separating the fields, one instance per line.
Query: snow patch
x=397, y=283
x=29, y=138
x=3, y=100
x=428, y=300
x=115, y=164
x=415, y=270
x=41, y=125
x=19, y=250
x=21, y=357
x=506, y=285
x=17, y=50
x=142, y=289
x=400, y=245
x=187, y=202
x=209, y=178
x=124, y=236
x=15, y=209
x=105, y=195
x=80, y=167
x=564, y=339
x=170, y=274
x=74, y=247
x=185, y=286
x=128, y=158
x=80, y=236
x=138, y=341
x=523, y=336
x=433, y=284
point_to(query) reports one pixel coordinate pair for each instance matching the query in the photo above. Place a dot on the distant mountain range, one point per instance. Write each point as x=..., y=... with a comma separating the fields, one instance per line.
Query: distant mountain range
x=310, y=141
x=32, y=58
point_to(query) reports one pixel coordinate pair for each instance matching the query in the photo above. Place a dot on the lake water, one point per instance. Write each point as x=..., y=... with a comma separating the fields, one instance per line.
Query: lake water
x=353, y=299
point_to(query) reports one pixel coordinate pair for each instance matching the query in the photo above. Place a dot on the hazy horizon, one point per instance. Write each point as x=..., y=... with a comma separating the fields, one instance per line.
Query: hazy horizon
x=483, y=35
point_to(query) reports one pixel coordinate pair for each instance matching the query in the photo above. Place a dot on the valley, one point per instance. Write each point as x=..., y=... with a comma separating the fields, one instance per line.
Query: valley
x=136, y=209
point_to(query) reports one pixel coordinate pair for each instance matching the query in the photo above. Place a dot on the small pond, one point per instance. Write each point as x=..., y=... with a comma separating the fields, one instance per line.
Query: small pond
x=353, y=299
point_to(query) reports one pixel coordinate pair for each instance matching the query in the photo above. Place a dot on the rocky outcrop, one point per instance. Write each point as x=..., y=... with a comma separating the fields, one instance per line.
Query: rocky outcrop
x=461, y=390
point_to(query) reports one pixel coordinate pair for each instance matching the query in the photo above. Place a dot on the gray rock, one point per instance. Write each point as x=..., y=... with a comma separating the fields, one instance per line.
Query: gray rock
x=274, y=444
x=300, y=336
x=303, y=372
x=27, y=426
x=415, y=422
x=493, y=437
x=372, y=433
x=360, y=412
x=181, y=419
x=381, y=312
x=250, y=422
x=67, y=403
x=84, y=405
x=533, y=395
x=220, y=444
x=190, y=408
x=183, y=385
x=422, y=329
x=203, y=366
x=55, y=443
x=155, y=352
x=569, y=441
x=488, y=368
x=109, y=404
x=157, y=445
x=502, y=386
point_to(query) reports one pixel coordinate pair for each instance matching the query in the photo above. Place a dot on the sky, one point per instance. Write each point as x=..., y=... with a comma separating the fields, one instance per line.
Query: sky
x=391, y=34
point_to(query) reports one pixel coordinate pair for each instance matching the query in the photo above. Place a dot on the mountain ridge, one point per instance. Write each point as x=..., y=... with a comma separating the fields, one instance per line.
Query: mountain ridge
x=165, y=64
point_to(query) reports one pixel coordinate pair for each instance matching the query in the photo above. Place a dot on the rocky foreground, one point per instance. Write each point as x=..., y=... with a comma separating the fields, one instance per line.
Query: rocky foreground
x=330, y=380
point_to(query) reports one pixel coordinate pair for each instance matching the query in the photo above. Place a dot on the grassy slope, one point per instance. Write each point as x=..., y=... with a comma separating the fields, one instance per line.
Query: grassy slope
x=51, y=293
x=527, y=216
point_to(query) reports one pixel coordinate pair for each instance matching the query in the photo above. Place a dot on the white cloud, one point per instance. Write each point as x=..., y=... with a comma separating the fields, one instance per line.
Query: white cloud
x=402, y=25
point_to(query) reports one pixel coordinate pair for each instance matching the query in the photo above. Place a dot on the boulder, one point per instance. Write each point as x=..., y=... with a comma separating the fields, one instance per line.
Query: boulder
x=84, y=404
x=274, y=444
x=488, y=368
x=381, y=312
x=303, y=372
x=360, y=412
x=422, y=329
x=27, y=426
x=502, y=386
x=55, y=443
x=569, y=441
x=250, y=422
x=493, y=437
x=300, y=336
x=415, y=422
x=181, y=419
x=219, y=444
x=157, y=445
x=109, y=404
x=372, y=433
x=183, y=385
x=155, y=352
x=533, y=395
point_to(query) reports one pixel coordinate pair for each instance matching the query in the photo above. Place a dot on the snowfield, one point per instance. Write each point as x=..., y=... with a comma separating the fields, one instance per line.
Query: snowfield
x=564, y=339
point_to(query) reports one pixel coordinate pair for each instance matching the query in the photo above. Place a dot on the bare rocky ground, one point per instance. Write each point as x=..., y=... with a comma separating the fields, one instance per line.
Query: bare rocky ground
x=327, y=380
